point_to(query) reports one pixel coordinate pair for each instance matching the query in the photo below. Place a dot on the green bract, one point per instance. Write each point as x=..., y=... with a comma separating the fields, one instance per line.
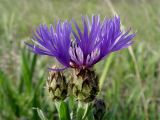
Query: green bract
x=84, y=86
x=57, y=85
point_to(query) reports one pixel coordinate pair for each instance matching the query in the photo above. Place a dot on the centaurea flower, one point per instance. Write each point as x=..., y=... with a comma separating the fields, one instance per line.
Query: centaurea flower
x=88, y=46
x=98, y=39
x=81, y=49
x=54, y=42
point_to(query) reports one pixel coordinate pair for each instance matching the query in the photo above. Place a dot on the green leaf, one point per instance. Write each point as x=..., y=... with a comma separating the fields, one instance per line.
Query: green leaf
x=25, y=68
x=90, y=115
x=82, y=111
x=87, y=111
x=28, y=64
x=33, y=65
x=40, y=114
x=79, y=113
x=9, y=93
x=64, y=111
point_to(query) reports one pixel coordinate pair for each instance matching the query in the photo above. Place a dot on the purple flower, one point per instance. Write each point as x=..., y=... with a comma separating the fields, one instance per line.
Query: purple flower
x=53, y=42
x=85, y=47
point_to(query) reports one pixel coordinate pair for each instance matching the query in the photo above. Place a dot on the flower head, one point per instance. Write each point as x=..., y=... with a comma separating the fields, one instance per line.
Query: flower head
x=54, y=42
x=57, y=85
x=98, y=39
x=88, y=46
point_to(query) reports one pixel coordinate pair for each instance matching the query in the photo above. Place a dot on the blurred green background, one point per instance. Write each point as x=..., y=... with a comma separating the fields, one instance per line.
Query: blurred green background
x=131, y=86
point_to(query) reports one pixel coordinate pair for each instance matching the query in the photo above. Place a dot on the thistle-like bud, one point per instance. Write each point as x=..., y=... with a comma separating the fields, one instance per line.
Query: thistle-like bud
x=99, y=109
x=84, y=86
x=57, y=85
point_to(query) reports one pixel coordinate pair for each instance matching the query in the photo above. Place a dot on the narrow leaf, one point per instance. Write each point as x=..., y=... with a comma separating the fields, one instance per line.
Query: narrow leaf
x=40, y=114
x=64, y=111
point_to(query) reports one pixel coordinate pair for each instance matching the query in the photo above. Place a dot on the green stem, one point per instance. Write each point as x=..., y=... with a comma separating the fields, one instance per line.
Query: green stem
x=105, y=71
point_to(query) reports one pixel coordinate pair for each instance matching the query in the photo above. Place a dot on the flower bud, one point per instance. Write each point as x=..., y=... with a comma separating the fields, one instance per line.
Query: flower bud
x=57, y=85
x=99, y=109
x=84, y=86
